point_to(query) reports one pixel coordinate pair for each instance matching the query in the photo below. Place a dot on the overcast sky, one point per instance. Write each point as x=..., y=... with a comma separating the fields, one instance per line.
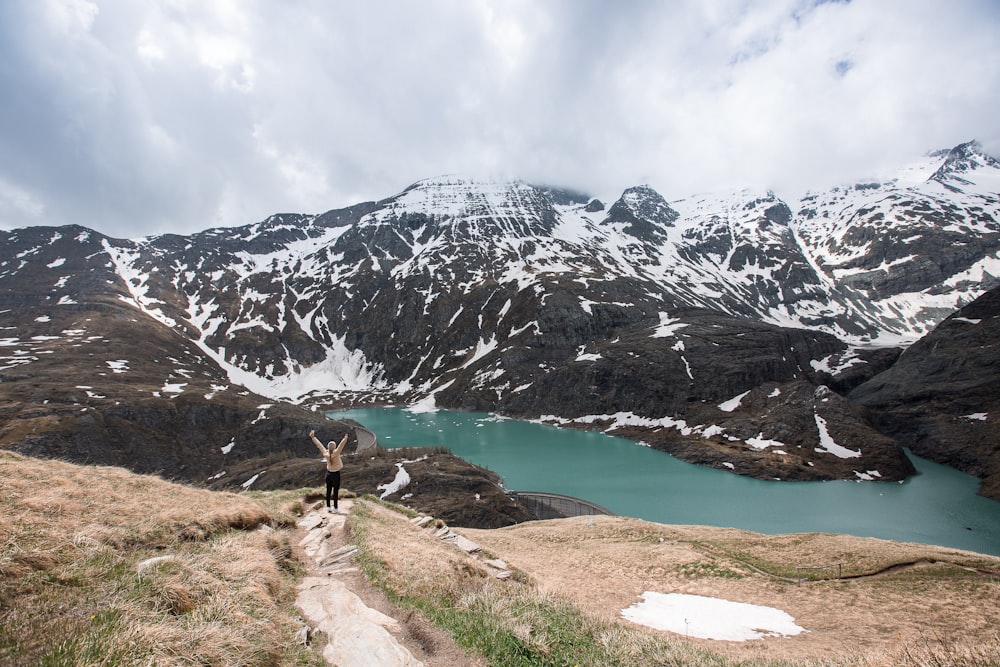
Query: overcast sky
x=137, y=118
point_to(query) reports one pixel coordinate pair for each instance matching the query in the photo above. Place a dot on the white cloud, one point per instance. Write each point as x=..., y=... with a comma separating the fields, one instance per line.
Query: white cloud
x=16, y=203
x=179, y=115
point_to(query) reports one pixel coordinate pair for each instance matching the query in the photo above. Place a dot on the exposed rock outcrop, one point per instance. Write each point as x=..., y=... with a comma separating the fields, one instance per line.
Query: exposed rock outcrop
x=940, y=398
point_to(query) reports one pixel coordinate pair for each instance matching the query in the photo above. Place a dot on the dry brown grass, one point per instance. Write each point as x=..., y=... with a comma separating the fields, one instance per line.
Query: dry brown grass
x=99, y=566
x=944, y=604
x=102, y=566
x=415, y=561
x=898, y=605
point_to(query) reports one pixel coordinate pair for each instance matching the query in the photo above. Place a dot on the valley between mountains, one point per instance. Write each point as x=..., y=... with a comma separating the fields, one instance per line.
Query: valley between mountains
x=799, y=340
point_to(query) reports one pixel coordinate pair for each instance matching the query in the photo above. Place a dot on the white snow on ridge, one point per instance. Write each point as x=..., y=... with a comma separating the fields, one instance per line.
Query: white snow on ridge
x=137, y=282
x=987, y=267
x=458, y=197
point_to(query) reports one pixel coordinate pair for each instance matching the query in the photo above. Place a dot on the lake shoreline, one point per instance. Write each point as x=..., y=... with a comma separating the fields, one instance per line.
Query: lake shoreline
x=938, y=506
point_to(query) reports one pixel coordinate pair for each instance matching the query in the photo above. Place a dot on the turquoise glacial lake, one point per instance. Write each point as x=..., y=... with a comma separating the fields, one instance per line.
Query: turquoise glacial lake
x=937, y=506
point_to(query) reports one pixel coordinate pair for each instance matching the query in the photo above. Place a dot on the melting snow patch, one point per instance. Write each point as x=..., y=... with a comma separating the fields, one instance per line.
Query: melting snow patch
x=424, y=405
x=483, y=347
x=827, y=444
x=668, y=327
x=118, y=366
x=710, y=618
x=247, y=484
x=824, y=365
x=400, y=482
x=228, y=448
x=43, y=318
x=977, y=416
x=216, y=388
x=732, y=403
x=760, y=442
x=868, y=476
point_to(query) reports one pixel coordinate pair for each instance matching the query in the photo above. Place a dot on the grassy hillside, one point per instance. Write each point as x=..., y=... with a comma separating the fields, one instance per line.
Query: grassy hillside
x=102, y=566
x=890, y=604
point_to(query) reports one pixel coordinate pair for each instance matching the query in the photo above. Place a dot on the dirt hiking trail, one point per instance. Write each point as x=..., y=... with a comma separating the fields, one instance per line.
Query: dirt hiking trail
x=358, y=624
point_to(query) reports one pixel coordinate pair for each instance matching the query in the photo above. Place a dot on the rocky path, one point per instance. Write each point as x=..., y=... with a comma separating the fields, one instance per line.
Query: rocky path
x=357, y=635
x=362, y=629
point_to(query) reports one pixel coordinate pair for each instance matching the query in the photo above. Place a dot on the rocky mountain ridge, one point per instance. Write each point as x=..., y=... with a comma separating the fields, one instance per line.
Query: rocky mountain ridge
x=728, y=330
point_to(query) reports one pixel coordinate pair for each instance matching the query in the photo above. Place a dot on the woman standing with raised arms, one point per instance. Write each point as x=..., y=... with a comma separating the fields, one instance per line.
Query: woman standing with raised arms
x=334, y=465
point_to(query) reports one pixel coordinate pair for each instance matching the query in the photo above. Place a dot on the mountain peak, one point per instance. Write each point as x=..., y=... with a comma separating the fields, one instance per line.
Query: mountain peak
x=457, y=196
x=642, y=207
x=961, y=165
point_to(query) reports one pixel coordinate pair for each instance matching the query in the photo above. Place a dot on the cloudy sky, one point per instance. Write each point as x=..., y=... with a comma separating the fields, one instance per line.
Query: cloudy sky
x=137, y=118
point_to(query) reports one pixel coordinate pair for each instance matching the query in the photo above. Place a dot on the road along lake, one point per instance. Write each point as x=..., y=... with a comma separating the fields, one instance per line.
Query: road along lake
x=937, y=506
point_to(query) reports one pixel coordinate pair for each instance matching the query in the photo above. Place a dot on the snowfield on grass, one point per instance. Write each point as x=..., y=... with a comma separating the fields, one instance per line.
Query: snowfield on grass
x=710, y=618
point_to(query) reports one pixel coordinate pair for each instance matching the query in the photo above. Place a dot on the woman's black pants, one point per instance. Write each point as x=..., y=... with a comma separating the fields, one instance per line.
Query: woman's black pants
x=332, y=487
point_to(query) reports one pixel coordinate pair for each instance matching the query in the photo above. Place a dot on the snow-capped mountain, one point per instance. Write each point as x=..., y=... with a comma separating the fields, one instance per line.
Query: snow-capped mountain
x=712, y=326
x=915, y=247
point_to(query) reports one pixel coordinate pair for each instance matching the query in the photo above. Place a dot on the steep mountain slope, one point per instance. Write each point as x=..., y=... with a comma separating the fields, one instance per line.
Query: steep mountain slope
x=938, y=399
x=724, y=329
x=87, y=376
x=916, y=247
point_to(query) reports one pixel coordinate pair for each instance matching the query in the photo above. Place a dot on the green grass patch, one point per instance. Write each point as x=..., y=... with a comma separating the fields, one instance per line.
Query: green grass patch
x=702, y=569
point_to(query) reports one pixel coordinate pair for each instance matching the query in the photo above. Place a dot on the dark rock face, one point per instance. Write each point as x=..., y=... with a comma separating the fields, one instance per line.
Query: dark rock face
x=940, y=398
x=644, y=212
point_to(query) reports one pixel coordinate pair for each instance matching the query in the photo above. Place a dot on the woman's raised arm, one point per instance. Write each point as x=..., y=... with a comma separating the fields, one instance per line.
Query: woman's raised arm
x=319, y=445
